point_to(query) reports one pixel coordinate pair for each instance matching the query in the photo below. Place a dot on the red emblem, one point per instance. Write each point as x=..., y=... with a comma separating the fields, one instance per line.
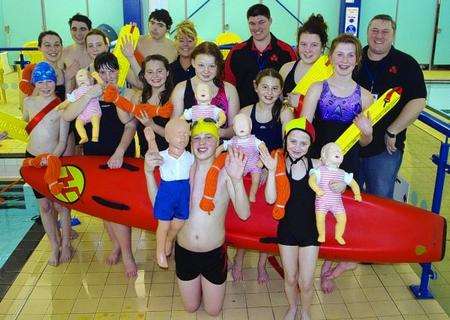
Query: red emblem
x=273, y=58
x=393, y=69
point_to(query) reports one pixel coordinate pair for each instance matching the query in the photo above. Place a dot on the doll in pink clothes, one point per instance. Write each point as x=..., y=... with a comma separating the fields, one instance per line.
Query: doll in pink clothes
x=204, y=108
x=92, y=112
x=326, y=199
x=250, y=146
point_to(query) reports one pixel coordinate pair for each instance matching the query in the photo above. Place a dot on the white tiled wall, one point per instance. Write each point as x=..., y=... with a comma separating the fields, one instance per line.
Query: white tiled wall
x=9, y=168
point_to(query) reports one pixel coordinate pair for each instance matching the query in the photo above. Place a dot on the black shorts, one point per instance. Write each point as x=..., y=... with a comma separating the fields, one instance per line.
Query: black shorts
x=212, y=265
x=36, y=194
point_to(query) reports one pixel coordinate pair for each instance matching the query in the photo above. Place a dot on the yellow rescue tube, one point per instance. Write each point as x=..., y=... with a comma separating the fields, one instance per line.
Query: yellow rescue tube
x=321, y=70
x=14, y=127
x=375, y=112
x=124, y=65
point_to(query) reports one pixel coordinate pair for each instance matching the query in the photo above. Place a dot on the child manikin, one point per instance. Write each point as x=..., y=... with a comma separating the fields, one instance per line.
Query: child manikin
x=92, y=112
x=173, y=196
x=326, y=199
x=204, y=109
x=250, y=146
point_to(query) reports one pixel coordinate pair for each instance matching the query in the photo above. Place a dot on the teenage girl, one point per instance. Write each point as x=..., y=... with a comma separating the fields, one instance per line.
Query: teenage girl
x=268, y=117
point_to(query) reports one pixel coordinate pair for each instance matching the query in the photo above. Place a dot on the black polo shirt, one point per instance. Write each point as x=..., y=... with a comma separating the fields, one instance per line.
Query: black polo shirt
x=178, y=73
x=396, y=69
x=245, y=61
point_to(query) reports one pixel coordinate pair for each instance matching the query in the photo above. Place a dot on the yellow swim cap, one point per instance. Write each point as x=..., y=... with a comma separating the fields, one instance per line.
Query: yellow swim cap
x=205, y=126
x=300, y=124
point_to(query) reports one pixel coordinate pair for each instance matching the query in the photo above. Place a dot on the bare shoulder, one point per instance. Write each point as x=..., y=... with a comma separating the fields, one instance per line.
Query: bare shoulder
x=28, y=102
x=247, y=110
x=286, y=68
x=229, y=88
x=316, y=87
x=179, y=88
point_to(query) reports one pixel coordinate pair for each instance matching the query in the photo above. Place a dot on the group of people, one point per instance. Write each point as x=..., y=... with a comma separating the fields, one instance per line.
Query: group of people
x=256, y=79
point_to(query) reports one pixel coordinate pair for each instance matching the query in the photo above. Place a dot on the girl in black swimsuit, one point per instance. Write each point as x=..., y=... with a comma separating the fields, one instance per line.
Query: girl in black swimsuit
x=297, y=231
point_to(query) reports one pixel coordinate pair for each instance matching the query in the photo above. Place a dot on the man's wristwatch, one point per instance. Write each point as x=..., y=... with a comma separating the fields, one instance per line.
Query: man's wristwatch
x=390, y=135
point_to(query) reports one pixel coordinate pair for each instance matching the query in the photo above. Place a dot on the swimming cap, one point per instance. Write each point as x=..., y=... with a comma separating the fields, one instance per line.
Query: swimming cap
x=205, y=126
x=301, y=124
x=43, y=71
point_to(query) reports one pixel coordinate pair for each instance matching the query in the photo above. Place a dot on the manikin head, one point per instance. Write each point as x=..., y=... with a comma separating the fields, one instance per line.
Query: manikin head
x=177, y=133
x=203, y=94
x=84, y=78
x=331, y=155
x=242, y=125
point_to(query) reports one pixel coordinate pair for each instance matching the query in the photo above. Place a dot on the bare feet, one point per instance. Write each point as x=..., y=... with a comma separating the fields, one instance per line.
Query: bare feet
x=54, y=257
x=130, y=268
x=161, y=259
x=236, y=272
x=66, y=254
x=326, y=284
x=263, y=276
x=341, y=267
x=114, y=257
x=290, y=313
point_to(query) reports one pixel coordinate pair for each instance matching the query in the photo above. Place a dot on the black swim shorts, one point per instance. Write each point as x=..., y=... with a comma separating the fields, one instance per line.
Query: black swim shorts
x=212, y=265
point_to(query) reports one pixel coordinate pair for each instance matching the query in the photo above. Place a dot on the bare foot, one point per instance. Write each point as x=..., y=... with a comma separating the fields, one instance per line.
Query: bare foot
x=161, y=259
x=252, y=197
x=290, y=314
x=236, y=272
x=263, y=276
x=341, y=267
x=168, y=247
x=130, y=268
x=54, y=258
x=326, y=284
x=66, y=254
x=73, y=234
x=114, y=257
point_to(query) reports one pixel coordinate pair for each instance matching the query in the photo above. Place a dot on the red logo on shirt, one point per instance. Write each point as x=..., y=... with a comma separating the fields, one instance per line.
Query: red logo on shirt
x=273, y=58
x=393, y=69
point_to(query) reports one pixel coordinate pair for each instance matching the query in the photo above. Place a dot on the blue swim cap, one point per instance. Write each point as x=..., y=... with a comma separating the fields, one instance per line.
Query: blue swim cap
x=43, y=71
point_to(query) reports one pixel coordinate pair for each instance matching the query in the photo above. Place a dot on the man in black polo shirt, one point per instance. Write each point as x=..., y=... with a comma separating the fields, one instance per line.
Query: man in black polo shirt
x=385, y=67
x=261, y=51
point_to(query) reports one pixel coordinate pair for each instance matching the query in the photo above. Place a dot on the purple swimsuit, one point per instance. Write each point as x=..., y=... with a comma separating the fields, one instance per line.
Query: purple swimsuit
x=333, y=108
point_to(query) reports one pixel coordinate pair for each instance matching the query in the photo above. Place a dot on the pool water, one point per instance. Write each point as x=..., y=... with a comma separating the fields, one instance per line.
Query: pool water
x=439, y=97
x=16, y=215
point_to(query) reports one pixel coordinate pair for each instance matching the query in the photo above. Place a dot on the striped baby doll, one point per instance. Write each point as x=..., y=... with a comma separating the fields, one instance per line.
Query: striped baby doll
x=326, y=199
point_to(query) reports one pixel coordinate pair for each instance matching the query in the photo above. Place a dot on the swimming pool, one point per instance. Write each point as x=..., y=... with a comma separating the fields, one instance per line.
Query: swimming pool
x=16, y=215
x=439, y=97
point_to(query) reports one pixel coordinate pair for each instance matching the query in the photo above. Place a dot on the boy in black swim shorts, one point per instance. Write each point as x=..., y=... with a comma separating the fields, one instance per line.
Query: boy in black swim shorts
x=200, y=255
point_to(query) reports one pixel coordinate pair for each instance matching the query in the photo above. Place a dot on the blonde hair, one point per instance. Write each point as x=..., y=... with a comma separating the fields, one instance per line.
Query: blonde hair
x=186, y=28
